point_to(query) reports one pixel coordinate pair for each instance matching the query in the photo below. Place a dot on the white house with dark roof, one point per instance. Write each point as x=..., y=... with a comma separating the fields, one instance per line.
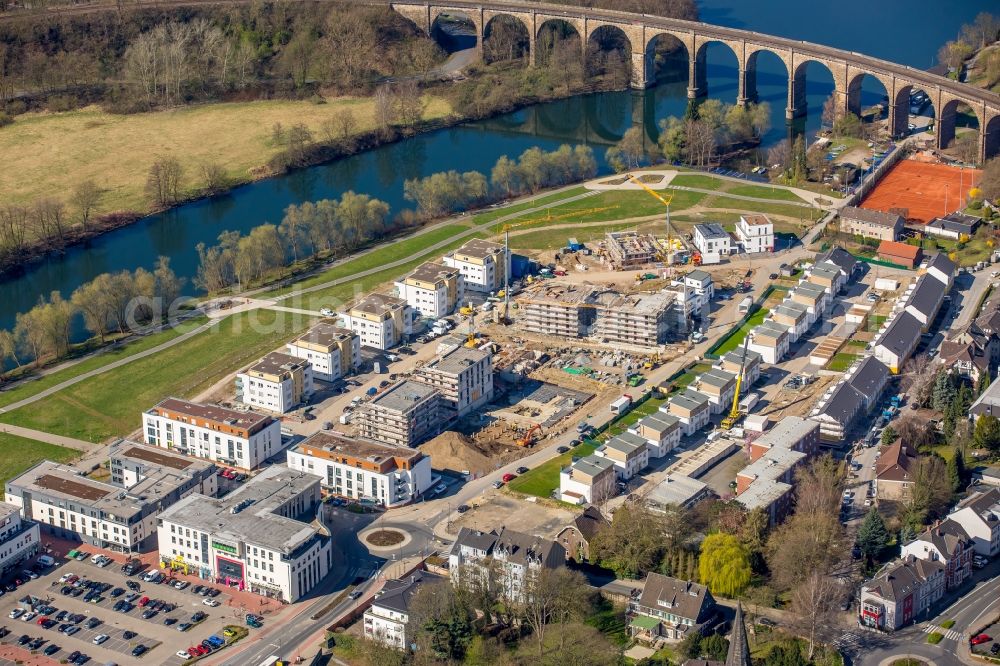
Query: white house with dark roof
x=669, y=609
x=946, y=542
x=843, y=260
x=942, y=268
x=661, y=431
x=733, y=361
x=589, y=480
x=925, y=299
x=953, y=225
x=771, y=340
x=387, y=618
x=897, y=341
x=812, y=297
x=794, y=316
x=712, y=241
x=719, y=386
x=856, y=394
x=691, y=408
x=510, y=559
x=979, y=516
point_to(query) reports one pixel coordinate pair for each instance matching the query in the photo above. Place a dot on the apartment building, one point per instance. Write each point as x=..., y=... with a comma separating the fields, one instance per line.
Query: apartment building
x=838, y=410
x=628, y=452
x=278, y=383
x=979, y=516
x=433, y=290
x=637, y=319
x=381, y=321
x=387, y=619
x=629, y=249
x=712, y=241
x=755, y=232
x=261, y=537
x=405, y=414
x=771, y=340
x=509, y=559
x=358, y=469
x=119, y=516
x=227, y=436
x=870, y=223
x=792, y=432
x=814, y=297
x=20, y=539
x=733, y=361
x=946, y=542
x=484, y=265
x=661, y=431
x=719, y=386
x=333, y=352
x=900, y=592
x=691, y=408
x=704, y=287
x=896, y=342
x=589, y=480
x=462, y=376
x=771, y=478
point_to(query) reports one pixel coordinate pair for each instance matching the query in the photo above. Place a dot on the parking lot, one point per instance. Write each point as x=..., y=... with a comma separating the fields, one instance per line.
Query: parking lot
x=175, y=619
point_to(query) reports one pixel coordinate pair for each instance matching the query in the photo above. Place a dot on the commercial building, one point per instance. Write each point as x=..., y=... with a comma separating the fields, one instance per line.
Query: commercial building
x=900, y=592
x=676, y=490
x=576, y=537
x=19, y=538
x=712, y=241
x=484, y=265
x=507, y=558
x=462, y=376
x=236, y=438
x=719, y=386
x=669, y=609
x=630, y=249
x=924, y=300
x=388, y=617
x=262, y=537
x=755, y=233
x=953, y=225
x=381, y=321
x=118, y=516
x=897, y=341
x=628, y=452
x=691, y=408
x=278, y=383
x=432, y=290
x=771, y=340
x=333, y=352
x=901, y=254
x=979, y=516
x=661, y=431
x=361, y=470
x=590, y=479
x=870, y=223
x=405, y=414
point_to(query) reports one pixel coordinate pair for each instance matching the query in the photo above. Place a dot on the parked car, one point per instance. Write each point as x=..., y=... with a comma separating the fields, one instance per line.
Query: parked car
x=980, y=639
x=100, y=638
x=128, y=635
x=210, y=602
x=522, y=470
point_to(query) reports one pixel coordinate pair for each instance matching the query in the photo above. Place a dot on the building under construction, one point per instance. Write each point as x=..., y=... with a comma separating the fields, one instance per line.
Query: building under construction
x=584, y=311
x=630, y=249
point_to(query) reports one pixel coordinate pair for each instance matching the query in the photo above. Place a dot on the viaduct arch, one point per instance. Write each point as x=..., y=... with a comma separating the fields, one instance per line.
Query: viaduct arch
x=847, y=68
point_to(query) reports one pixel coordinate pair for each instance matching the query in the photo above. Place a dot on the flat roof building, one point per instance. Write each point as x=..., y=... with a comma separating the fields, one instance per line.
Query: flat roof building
x=590, y=479
x=463, y=377
x=263, y=536
x=405, y=414
x=630, y=249
x=20, y=539
x=679, y=490
x=484, y=265
x=278, y=383
x=432, y=289
x=333, y=351
x=380, y=320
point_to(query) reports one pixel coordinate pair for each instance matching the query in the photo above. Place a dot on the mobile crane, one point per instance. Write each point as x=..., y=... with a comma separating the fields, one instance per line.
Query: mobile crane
x=734, y=413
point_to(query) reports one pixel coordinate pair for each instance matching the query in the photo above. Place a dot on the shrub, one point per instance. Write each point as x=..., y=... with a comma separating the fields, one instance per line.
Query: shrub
x=934, y=638
x=947, y=624
x=16, y=107
x=59, y=103
x=5, y=119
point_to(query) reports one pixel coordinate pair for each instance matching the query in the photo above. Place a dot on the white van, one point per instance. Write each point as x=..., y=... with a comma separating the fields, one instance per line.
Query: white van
x=46, y=561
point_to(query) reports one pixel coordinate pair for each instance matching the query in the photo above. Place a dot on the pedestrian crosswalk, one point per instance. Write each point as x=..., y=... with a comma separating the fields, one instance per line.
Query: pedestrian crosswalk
x=950, y=634
x=847, y=641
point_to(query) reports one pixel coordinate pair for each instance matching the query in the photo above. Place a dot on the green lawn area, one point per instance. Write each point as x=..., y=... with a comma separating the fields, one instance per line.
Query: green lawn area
x=859, y=344
x=841, y=361
x=689, y=376
x=29, y=388
x=544, y=479
x=494, y=213
x=552, y=239
x=19, y=454
x=764, y=192
x=610, y=621
x=697, y=180
x=110, y=404
x=797, y=212
x=734, y=338
x=388, y=252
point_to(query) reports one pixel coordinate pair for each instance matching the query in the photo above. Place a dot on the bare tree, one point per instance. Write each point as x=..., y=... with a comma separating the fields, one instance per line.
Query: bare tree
x=215, y=177
x=163, y=181
x=48, y=217
x=553, y=595
x=85, y=198
x=813, y=602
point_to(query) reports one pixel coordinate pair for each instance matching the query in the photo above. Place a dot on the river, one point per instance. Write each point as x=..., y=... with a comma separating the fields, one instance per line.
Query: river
x=891, y=29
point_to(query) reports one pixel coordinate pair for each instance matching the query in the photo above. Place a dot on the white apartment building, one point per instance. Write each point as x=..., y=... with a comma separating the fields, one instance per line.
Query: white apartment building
x=404, y=414
x=19, y=539
x=509, y=559
x=770, y=340
x=278, y=383
x=755, y=233
x=333, y=352
x=386, y=619
x=661, y=431
x=119, y=516
x=433, y=290
x=261, y=537
x=712, y=241
x=979, y=516
x=381, y=321
x=463, y=377
x=484, y=265
x=239, y=439
x=389, y=476
x=590, y=479
x=704, y=288
x=691, y=408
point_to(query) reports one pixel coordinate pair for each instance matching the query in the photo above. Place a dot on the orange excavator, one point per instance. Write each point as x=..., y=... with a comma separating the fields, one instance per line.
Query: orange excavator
x=528, y=438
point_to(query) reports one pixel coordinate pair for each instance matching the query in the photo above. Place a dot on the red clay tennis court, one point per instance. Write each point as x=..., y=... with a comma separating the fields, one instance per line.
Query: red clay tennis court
x=926, y=189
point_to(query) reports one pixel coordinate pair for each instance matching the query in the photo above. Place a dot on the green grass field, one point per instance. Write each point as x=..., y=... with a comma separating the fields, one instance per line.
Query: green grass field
x=32, y=387
x=19, y=454
x=689, y=376
x=110, y=404
x=697, y=180
x=735, y=338
x=796, y=212
x=841, y=361
x=764, y=192
x=553, y=239
x=494, y=213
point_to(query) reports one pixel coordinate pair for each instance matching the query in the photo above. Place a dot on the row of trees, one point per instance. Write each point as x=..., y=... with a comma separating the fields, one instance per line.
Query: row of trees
x=117, y=302
x=45, y=220
x=710, y=126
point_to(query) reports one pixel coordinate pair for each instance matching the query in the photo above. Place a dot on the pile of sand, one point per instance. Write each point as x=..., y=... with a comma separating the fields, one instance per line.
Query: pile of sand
x=456, y=452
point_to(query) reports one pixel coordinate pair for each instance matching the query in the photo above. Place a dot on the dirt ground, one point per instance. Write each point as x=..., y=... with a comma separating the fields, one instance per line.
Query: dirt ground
x=496, y=508
x=459, y=453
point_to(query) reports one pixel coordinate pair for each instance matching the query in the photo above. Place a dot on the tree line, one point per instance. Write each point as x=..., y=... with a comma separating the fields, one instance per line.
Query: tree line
x=983, y=31
x=110, y=303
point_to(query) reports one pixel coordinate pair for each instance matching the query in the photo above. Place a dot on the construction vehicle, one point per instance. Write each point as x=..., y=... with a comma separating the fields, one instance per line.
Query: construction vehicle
x=665, y=200
x=735, y=413
x=528, y=438
x=635, y=379
x=470, y=342
x=466, y=310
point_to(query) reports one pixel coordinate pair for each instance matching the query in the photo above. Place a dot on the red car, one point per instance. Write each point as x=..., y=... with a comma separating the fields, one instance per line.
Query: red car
x=507, y=478
x=143, y=601
x=193, y=651
x=980, y=639
x=41, y=621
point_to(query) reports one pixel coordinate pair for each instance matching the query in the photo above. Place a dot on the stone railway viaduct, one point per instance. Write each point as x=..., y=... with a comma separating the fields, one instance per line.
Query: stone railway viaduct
x=641, y=32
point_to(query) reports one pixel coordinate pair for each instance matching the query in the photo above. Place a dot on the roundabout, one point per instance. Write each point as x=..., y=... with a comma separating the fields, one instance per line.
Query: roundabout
x=385, y=538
